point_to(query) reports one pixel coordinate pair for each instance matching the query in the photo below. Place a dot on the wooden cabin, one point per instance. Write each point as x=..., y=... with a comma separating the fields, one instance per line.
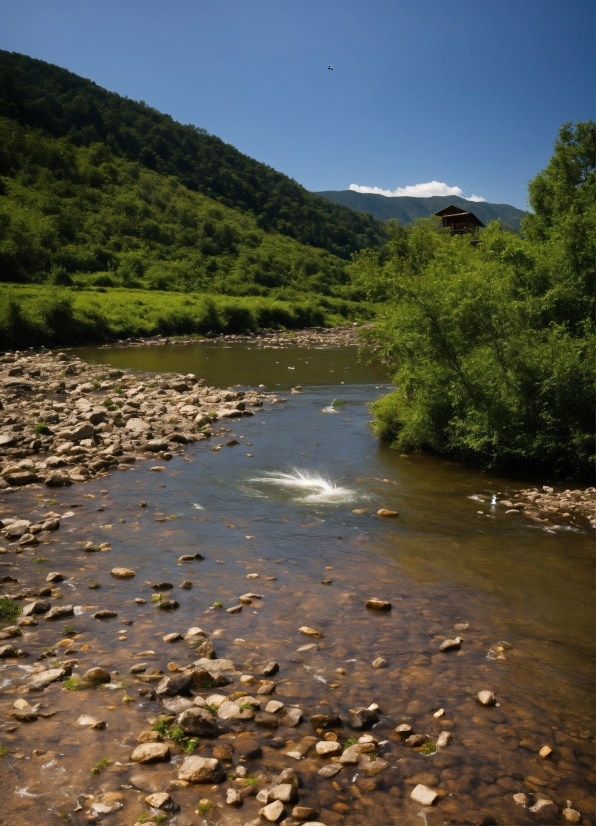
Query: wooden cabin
x=459, y=222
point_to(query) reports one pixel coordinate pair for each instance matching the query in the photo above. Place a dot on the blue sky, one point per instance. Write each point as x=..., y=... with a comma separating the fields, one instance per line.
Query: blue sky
x=469, y=95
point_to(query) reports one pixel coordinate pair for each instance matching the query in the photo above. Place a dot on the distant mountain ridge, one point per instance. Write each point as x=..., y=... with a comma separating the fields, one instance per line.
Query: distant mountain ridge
x=406, y=209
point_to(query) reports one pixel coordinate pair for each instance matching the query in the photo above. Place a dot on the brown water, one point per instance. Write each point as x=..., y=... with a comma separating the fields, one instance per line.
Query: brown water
x=287, y=512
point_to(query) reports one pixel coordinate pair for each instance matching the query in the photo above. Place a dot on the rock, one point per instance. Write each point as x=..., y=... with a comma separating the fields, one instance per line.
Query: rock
x=423, y=795
x=270, y=669
x=190, y=557
x=304, y=813
x=174, y=637
x=137, y=426
x=225, y=753
x=273, y=706
x=57, y=479
x=273, y=811
x=235, y=609
x=168, y=605
x=328, y=748
x=266, y=688
x=104, y=614
x=149, y=736
x=8, y=651
x=571, y=815
x=444, y=738
x=486, y=698
x=205, y=649
x=247, y=749
x=233, y=797
x=545, y=810
x=151, y=753
x=545, y=752
x=363, y=718
x=60, y=612
x=330, y=770
x=215, y=665
x=198, y=721
x=291, y=718
x=386, y=512
x=310, y=632
x=50, y=525
x=43, y=680
x=195, y=769
x=91, y=722
x=376, y=604
x=403, y=730
x=379, y=662
x=106, y=808
x=284, y=792
x=325, y=721
x=97, y=675
x=176, y=684
x=287, y=776
x=414, y=741
x=267, y=720
x=451, y=645
x=54, y=576
x=176, y=705
x=159, y=800
x=374, y=767
x=229, y=710
x=122, y=573
x=521, y=799
x=40, y=606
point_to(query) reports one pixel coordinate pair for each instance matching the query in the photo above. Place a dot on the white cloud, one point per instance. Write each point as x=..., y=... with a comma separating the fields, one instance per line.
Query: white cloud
x=426, y=190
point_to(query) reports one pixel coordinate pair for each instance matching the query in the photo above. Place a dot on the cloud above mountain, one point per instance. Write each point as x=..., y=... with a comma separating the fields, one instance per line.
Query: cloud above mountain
x=426, y=190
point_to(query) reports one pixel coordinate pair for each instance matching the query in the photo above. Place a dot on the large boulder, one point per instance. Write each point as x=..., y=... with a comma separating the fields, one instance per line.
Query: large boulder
x=151, y=753
x=199, y=722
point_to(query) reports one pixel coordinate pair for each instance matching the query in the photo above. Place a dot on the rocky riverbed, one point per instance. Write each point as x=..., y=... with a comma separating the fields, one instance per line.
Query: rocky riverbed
x=152, y=672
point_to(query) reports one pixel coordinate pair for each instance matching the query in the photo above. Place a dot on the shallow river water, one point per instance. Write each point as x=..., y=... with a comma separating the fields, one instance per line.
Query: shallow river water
x=295, y=502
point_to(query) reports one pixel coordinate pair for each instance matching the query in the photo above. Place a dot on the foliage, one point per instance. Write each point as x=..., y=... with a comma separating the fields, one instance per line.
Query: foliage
x=492, y=345
x=42, y=96
x=101, y=764
x=428, y=748
x=3, y=751
x=9, y=610
x=350, y=742
x=72, y=683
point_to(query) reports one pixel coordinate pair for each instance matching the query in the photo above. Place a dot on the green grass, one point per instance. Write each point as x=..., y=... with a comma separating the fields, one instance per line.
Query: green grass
x=68, y=630
x=41, y=559
x=212, y=709
x=9, y=610
x=249, y=780
x=203, y=808
x=428, y=748
x=41, y=429
x=72, y=684
x=94, y=586
x=101, y=764
x=3, y=751
x=351, y=741
x=190, y=746
x=218, y=604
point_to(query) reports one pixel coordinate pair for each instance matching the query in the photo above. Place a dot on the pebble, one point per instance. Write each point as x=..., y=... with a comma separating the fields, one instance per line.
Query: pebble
x=150, y=753
x=486, y=698
x=545, y=752
x=159, y=800
x=328, y=748
x=310, y=632
x=273, y=811
x=386, y=512
x=196, y=769
x=451, y=645
x=122, y=573
x=423, y=795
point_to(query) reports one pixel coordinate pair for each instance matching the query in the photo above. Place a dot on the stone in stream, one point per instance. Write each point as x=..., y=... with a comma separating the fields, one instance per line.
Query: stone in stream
x=162, y=586
x=486, y=698
x=270, y=669
x=521, y=799
x=325, y=721
x=287, y=776
x=273, y=811
x=267, y=720
x=151, y=753
x=23, y=712
x=375, y=604
x=204, y=649
x=545, y=810
x=168, y=605
x=40, y=606
x=159, y=800
x=292, y=717
x=403, y=730
x=176, y=684
x=444, y=738
x=328, y=748
x=414, y=741
x=195, y=769
x=173, y=637
x=386, y=512
x=273, y=706
x=233, y=797
x=545, y=752
x=235, y=609
x=54, y=576
x=122, y=573
x=266, y=688
x=215, y=665
x=176, y=705
x=97, y=675
x=199, y=722
x=229, y=710
x=330, y=770
x=304, y=813
x=363, y=718
x=190, y=557
x=451, y=645
x=187, y=584
x=310, y=632
x=423, y=795
x=284, y=792
x=379, y=662
x=149, y=736
x=43, y=680
x=104, y=613
x=571, y=815
x=91, y=722
x=8, y=651
x=60, y=612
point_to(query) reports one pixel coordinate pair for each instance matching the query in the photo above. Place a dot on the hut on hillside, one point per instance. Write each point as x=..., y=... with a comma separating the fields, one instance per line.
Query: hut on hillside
x=459, y=222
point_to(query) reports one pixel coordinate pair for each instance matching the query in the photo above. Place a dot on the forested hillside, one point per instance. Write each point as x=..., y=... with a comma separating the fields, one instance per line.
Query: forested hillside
x=43, y=96
x=406, y=209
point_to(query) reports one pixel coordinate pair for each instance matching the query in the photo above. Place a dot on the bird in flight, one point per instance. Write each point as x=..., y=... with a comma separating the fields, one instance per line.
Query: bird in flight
x=330, y=68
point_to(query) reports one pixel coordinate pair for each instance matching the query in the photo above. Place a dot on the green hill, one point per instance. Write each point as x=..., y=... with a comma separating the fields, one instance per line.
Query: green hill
x=42, y=96
x=407, y=209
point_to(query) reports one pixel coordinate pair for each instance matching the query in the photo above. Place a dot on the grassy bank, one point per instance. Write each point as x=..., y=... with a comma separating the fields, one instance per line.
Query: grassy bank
x=32, y=315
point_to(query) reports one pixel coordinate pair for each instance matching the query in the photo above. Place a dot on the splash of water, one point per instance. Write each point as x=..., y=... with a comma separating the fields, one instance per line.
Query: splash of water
x=309, y=487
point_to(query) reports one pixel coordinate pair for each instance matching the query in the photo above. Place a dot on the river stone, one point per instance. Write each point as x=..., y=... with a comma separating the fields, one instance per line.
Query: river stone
x=403, y=730
x=287, y=776
x=273, y=706
x=267, y=720
x=91, y=722
x=40, y=606
x=379, y=662
x=198, y=721
x=386, y=512
x=176, y=684
x=176, y=705
x=229, y=710
x=416, y=740
x=571, y=815
x=204, y=649
x=327, y=748
x=149, y=736
x=330, y=770
x=273, y=811
x=215, y=665
x=423, y=795
x=545, y=810
x=267, y=687
x=233, y=797
x=43, y=680
x=58, y=479
x=195, y=769
x=151, y=753
x=159, y=800
x=97, y=675
x=106, y=808
x=122, y=573
x=59, y=612
x=374, y=767
x=451, y=645
x=310, y=632
x=363, y=718
x=444, y=738
x=376, y=604
x=105, y=613
x=304, y=813
x=173, y=637
x=8, y=651
x=54, y=576
x=325, y=721
x=486, y=698
x=284, y=792
x=194, y=633
x=137, y=426
x=291, y=718
x=270, y=669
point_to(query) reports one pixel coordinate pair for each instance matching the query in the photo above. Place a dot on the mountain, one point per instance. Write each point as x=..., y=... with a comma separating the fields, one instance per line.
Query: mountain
x=39, y=95
x=407, y=209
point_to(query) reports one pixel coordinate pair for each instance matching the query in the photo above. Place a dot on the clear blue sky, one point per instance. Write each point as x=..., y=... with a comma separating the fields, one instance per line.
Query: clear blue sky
x=469, y=94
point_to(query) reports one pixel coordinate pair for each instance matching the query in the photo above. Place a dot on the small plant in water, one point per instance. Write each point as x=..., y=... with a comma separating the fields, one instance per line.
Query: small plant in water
x=218, y=604
x=142, y=818
x=94, y=586
x=428, y=748
x=71, y=684
x=157, y=597
x=351, y=741
x=161, y=818
x=212, y=709
x=246, y=706
x=3, y=751
x=204, y=808
x=69, y=629
x=161, y=727
x=190, y=746
x=9, y=610
x=249, y=780
x=127, y=698
x=100, y=765
x=52, y=501
x=40, y=559
x=176, y=734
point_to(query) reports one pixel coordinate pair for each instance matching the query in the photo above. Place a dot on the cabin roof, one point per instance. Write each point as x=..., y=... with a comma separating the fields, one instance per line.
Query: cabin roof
x=453, y=211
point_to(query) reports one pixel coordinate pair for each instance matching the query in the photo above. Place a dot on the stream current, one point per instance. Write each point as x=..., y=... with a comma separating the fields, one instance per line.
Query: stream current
x=296, y=499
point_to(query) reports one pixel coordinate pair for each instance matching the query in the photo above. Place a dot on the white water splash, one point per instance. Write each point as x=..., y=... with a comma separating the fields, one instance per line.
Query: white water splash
x=198, y=507
x=309, y=487
x=329, y=409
